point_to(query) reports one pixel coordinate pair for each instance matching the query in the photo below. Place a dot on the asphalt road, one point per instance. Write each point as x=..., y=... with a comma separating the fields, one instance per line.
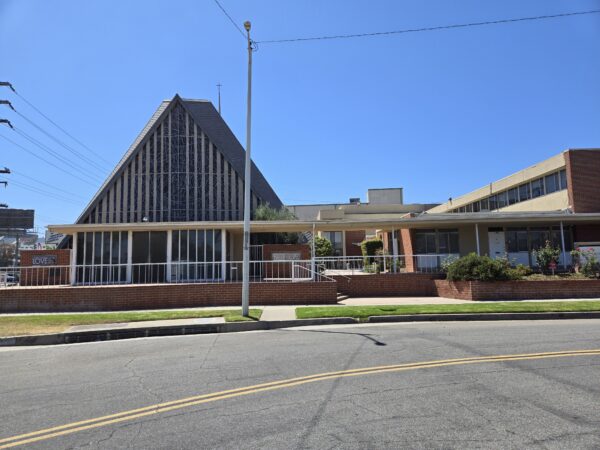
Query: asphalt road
x=550, y=401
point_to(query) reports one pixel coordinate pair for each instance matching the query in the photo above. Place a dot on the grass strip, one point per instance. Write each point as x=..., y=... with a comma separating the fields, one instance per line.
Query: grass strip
x=56, y=323
x=363, y=312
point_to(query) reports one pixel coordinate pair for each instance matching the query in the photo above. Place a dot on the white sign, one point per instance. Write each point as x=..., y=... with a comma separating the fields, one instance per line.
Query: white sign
x=286, y=256
x=43, y=260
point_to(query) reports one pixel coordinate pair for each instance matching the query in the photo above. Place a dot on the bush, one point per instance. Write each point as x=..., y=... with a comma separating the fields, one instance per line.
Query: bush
x=546, y=255
x=520, y=271
x=370, y=248
x=480, y=268
x=586, y=262
x=323, y=247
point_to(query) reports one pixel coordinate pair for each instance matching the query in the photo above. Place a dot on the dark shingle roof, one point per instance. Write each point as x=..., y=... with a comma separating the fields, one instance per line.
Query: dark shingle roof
x=210, y=121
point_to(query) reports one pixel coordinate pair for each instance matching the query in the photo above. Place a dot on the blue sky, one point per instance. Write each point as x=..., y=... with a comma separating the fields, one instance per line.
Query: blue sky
x=438, y=113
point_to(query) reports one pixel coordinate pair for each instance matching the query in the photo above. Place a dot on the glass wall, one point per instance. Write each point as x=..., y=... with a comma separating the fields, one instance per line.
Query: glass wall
x=548, y=184
x=101, y=257
x=521, y=242
x=442, y=241
x=196, y=255
x=335, y=237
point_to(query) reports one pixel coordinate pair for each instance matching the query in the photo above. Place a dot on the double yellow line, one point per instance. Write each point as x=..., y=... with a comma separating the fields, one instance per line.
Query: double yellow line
x=160, y=408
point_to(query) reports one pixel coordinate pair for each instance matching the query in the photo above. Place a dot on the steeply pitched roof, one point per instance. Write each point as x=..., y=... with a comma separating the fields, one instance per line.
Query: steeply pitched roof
x=212, y=124
x=210, y=121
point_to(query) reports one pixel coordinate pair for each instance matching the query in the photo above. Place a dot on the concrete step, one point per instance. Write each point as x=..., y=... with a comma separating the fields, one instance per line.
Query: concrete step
x=341, y=296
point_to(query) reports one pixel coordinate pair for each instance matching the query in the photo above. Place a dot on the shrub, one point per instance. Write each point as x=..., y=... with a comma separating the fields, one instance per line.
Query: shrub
x=586, y=262
x=323, y=246
x=371, y=248
x=546, y=255
x=480, y=268
x=520, y=271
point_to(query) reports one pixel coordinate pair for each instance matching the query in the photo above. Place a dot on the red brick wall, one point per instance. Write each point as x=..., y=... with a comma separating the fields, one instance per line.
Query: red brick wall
x=124, y=297
x=280, y=269
x=518, y=290
x=406, y=248
x=387, y=285
x=583, y=169
x=586, y=233
x=40, y=275
x=354, y=237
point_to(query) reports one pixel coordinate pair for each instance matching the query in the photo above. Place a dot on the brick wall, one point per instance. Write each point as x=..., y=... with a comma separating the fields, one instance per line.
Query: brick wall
x=387, y=285
x=37, y=275
x=518, y=290
x=583, y=167
x=586, y=233
x=352, y=238
x=406, y=248
x=124, y=297
x=280, y=269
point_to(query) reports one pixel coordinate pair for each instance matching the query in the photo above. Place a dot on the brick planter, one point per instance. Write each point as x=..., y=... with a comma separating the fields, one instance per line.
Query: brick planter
x=518, y=290
x=158, y=296
x=387, y=285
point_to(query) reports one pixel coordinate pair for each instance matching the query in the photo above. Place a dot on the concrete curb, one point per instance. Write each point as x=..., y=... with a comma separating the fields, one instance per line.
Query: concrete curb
x=172, y=330
x=232, y=327
x=485, y=316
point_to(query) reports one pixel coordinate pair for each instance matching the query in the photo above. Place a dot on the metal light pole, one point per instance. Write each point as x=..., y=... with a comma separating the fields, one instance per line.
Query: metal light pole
x=247, y=184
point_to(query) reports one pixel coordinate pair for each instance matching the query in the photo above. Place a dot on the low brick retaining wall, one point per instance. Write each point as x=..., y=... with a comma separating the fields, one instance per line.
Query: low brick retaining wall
x=158, y=296
x=518, y=290
x=387, y=285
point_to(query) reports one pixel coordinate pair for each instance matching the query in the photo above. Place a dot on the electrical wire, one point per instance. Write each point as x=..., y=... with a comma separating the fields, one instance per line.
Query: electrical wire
x=20, y=174
x=231, y=20
x=96, y=155
x=62, y=169
x=52, y=152
x=43, y=192
x=436, y=28
x=61, y=143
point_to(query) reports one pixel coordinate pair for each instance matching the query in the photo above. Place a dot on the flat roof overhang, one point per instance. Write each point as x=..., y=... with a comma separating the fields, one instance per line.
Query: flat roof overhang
x=420, y=221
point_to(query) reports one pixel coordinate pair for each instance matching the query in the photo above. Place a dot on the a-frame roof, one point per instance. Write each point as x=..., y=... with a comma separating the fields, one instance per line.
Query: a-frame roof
x=208, y=119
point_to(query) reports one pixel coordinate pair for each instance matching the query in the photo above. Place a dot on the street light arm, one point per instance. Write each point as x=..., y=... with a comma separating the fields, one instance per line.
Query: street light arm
x=7, y=103
x=7, y=122
x=9, y=85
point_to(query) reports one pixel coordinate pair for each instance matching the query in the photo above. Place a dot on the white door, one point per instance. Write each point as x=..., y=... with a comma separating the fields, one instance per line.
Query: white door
x=497, y=245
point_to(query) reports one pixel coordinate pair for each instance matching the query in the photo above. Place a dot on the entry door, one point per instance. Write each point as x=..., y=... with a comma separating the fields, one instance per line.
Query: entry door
x=497, y=243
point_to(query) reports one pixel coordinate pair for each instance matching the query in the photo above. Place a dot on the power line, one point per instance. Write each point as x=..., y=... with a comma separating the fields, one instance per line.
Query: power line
x=62, y=169
x=61, y=143
x=419, y=30
x=50, y=151
x=61, y=128
x=231, y=20
x=20, y=174
x=37, y=190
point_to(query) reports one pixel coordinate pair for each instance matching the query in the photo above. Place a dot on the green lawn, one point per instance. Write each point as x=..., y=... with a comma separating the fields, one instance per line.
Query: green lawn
x=55, y=323
x=363, y=312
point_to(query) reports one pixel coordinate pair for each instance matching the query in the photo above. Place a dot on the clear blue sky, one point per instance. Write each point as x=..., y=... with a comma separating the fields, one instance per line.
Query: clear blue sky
x=438, y=113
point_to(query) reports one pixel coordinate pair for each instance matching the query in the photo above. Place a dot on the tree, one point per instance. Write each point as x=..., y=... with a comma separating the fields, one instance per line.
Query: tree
x=323, y=247
x=7, y=255
x=266, y=212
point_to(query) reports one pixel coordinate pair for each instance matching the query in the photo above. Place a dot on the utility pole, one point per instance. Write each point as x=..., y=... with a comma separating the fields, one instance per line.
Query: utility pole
x=247, y=184
x=219, y=91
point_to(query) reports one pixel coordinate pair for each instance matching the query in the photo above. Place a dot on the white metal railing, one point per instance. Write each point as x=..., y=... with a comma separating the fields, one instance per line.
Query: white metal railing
x=155, y=273
x=364, y=265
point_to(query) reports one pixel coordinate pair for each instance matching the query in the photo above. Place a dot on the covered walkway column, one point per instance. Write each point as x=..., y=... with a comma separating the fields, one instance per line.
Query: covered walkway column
x=73, y=274
x=169, y=267
x=224, y=254
x=129, y=256
x=562, y=243
x=395, y=250
x=477, y=238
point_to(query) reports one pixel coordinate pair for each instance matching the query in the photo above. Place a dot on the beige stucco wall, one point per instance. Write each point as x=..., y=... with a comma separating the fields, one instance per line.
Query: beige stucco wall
x=556, y=201
x=549, y=165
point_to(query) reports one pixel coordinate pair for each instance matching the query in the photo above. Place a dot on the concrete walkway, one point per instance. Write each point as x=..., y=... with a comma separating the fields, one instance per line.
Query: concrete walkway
x=372, y=301
x=272, y=313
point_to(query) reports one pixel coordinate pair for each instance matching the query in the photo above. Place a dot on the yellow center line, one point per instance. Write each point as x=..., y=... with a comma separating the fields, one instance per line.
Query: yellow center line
x=160, y=408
